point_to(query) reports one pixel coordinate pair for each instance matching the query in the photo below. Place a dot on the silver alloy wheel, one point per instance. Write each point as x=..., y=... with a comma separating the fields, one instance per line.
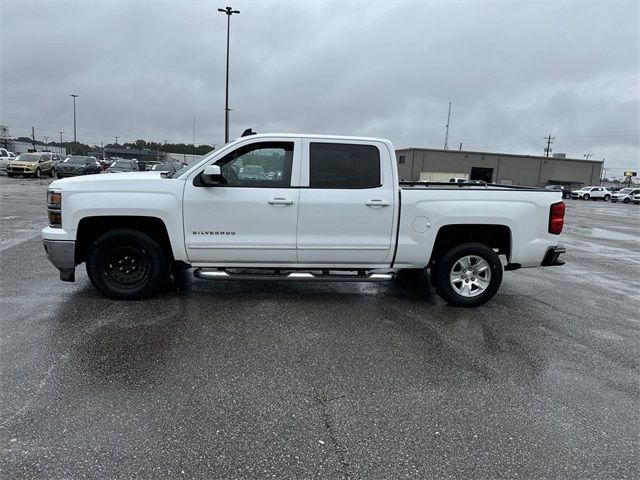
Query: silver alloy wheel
x=470, y=276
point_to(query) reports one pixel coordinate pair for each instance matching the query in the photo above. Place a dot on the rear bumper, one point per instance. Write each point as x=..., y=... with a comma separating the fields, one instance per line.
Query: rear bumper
x=551, y=258
x=61, y=254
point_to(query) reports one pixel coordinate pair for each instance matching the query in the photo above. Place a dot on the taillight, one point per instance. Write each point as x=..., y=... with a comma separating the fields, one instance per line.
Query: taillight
x=556, y=218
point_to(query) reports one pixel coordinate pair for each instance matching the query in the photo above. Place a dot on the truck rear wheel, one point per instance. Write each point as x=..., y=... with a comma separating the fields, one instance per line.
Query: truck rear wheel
x=127, y=264
x=469, y=275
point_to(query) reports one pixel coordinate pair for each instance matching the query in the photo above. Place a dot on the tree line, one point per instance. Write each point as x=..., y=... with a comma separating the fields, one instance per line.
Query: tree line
x=79, y=148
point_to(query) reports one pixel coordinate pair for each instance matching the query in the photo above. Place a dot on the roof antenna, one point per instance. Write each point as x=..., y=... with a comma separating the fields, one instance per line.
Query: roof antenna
x=248, y=132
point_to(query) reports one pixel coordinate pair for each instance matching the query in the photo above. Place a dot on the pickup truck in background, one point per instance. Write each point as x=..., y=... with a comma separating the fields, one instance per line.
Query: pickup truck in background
x=318, y=208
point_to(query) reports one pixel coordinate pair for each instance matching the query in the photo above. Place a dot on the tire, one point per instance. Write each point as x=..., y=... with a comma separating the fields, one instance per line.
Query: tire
x=607, y=198
x=127, y=264
x=586, y=197
x=52, y=173
x=626, y=200
x=468, y=290
x=10, y=175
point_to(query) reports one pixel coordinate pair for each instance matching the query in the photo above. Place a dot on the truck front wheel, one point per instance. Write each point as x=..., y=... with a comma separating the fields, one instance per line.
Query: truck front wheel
x=468, y=275
x=127, y=264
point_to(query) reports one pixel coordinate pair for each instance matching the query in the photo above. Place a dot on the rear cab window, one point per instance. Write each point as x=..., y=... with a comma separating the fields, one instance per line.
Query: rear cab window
x=344, y=165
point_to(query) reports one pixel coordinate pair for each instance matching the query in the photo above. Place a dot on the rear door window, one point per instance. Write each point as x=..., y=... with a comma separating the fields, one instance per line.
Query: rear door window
x=342, y=165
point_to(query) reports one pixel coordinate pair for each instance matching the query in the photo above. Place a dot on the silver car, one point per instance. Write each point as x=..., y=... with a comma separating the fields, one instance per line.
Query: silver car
x=625, y=195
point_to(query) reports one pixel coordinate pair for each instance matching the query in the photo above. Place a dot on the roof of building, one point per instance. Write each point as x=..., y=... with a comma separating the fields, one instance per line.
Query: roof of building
x=472, y=152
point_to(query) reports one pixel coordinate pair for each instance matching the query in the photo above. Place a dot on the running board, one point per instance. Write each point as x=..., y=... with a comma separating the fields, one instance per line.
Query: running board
x=214, y=274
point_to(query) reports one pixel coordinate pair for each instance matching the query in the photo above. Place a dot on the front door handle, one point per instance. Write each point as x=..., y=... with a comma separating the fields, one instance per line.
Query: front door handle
x=279, y=201
x=377, y=203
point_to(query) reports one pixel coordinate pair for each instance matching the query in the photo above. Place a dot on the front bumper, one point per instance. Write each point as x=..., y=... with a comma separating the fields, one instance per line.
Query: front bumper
x=62, y=253
x=551, y=258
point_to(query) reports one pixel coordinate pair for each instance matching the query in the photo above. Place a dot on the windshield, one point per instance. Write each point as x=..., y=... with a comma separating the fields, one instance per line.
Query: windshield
x=28, y=157
x=163, y=167
x=120, y=166
x=75, y=160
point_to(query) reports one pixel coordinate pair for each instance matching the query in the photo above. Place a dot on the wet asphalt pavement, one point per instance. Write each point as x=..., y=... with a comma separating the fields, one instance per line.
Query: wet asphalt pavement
x=284, y=380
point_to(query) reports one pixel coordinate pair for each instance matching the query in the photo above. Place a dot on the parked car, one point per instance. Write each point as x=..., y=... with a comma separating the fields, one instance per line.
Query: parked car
x=5, y=157
x=251, y=172
x=78, y=165
x=123, y=166
x=146, y=165
x=593, y=193
x=165, y=167
x=106, y=162
x=566, y=190
x=32, y=164
x=636, y=199
x=625, y=195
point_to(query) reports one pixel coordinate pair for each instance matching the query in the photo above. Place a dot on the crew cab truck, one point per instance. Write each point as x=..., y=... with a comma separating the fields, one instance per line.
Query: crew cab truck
x=319, y=208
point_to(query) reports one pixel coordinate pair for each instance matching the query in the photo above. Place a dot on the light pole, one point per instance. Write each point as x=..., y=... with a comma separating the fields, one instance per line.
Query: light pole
x=228, y=12
x=75, y=139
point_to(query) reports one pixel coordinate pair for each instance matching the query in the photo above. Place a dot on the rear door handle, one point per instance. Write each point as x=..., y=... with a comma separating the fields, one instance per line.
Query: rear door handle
x=279, y=201
x=377, y=203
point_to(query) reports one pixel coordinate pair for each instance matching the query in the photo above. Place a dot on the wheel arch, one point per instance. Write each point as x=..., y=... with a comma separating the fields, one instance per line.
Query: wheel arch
x=90, y=228
x=497, y=237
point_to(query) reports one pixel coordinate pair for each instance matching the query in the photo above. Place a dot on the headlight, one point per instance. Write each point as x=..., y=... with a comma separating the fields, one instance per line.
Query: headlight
x=54, y=208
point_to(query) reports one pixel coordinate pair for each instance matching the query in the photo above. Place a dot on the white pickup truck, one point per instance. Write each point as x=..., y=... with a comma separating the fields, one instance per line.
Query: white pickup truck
x=298, y=207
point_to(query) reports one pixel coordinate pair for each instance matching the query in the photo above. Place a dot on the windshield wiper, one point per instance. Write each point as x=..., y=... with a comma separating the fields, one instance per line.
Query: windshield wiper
x=166, y=174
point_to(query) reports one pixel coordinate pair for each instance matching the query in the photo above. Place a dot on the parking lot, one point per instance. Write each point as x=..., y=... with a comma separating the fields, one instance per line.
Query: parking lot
x=286, y=380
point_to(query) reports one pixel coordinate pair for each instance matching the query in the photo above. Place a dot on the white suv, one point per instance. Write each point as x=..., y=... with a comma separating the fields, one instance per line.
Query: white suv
x=593, y=193
x=625, y=195
x=5, y=157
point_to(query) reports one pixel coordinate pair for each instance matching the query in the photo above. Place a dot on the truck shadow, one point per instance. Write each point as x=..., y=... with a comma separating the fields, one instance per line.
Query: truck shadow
x=109, y=343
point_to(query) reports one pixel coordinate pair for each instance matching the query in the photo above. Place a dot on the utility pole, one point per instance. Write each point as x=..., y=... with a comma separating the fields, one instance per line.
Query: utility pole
x=228, y=12
x=446, y=135
x=60, y=152
x=550, y=140
x=194, y=130
x=33, y=137
x=102, y=148
x=460, y=147
x=46, y=142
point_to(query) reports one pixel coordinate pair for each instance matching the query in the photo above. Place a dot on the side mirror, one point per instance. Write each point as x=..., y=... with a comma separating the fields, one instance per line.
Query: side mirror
x=210, y=176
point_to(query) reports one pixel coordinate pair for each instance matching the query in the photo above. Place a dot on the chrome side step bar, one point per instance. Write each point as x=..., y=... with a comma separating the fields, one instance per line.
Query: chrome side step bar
x=219, y=274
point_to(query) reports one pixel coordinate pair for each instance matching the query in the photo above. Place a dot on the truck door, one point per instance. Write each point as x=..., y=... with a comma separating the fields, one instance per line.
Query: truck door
x=252, y=216
x=346, y=203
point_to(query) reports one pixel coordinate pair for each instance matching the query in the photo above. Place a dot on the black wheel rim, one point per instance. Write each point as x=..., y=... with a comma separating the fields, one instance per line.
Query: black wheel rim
x=127, y=266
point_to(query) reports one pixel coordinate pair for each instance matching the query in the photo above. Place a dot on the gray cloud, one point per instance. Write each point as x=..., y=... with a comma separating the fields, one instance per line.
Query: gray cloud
x=515, y=71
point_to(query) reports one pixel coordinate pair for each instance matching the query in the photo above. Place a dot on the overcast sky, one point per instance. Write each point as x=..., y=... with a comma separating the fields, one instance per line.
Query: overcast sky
x=515, y=71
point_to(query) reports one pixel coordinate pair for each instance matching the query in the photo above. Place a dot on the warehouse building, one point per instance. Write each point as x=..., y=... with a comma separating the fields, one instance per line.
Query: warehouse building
x=427, y=164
